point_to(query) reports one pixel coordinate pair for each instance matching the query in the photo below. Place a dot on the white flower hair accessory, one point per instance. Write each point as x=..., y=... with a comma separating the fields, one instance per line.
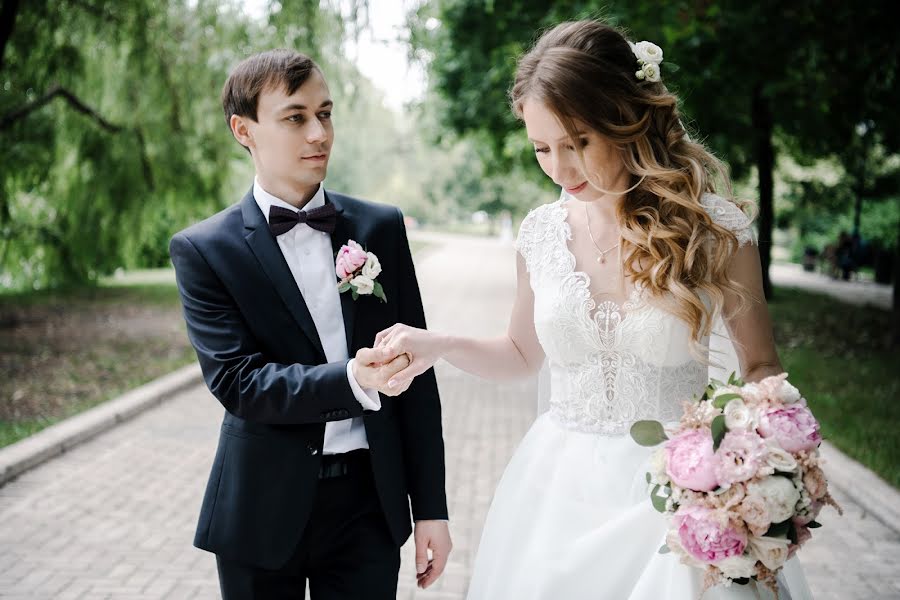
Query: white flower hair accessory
x=649, y=56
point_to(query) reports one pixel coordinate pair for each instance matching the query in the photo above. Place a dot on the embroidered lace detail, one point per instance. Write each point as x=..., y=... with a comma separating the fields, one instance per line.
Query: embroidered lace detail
x=730, y=216
x=610, y=364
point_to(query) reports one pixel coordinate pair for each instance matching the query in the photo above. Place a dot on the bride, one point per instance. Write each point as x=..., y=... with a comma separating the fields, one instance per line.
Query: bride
x=619, y=283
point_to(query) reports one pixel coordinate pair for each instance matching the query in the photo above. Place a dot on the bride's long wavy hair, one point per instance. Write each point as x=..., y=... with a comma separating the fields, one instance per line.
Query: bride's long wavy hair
x=584, y=71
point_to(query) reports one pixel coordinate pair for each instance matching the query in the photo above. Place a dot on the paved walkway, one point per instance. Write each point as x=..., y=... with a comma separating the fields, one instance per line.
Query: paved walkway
x=851, y=292
x=114, y=518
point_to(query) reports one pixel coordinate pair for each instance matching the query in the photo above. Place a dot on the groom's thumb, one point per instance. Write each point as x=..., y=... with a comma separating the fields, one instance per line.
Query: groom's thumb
x=421, y=557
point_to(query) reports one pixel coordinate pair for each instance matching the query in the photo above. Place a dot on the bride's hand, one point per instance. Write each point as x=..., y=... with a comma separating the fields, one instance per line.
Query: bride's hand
x=423, y=347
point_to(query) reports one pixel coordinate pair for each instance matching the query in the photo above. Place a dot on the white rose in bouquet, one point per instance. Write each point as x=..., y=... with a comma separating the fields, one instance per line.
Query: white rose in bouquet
x=779, y=494
x=770, y=551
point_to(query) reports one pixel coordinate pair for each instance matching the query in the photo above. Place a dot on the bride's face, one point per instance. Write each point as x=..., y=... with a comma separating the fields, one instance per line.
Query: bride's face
x=557, y=156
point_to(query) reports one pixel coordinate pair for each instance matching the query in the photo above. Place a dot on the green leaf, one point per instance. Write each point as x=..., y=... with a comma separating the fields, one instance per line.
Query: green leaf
x=779, y=529
x=792, y=531
x=717, y=383
x=355, y=293
x=724, y=399
x=378, y=292
x=813, y=524
x=648, y=477
x=648, y=433
x=659, y=502
x=664, y=549
x=344, y=287
x=718, y=431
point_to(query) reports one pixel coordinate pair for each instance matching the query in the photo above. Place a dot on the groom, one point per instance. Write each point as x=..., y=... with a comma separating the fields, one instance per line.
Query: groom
x=318, y=461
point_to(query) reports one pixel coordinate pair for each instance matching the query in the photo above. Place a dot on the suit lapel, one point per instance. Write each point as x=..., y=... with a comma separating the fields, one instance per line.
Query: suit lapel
x=264, y=246
x=344, y=231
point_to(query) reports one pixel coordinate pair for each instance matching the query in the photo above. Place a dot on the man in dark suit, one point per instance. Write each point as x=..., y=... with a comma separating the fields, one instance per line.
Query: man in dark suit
x=319, y=460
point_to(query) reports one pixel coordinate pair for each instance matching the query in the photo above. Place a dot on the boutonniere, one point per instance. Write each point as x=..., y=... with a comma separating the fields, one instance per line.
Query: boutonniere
x=357, y=271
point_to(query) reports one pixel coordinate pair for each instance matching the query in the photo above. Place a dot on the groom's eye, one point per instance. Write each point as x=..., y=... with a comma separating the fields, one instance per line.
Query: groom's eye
x=541, y=150
x=295, y=118
x=325, y=115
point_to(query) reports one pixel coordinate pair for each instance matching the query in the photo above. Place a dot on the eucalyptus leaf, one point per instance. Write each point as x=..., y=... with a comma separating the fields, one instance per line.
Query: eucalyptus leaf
x=659, y=502
x=664, y=549
x=344, y=287
x=718, y=431
x=648, y=433
x=648, y=478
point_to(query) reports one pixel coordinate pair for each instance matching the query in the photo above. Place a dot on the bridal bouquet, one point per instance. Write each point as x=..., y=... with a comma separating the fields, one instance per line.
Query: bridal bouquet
x=739, y=477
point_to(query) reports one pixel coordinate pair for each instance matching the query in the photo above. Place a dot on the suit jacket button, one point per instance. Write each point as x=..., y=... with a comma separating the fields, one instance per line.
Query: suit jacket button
x=312, y=450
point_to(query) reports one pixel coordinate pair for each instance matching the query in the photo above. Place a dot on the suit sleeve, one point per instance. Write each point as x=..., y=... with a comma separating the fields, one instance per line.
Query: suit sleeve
x=234, y=367
x=420, y=409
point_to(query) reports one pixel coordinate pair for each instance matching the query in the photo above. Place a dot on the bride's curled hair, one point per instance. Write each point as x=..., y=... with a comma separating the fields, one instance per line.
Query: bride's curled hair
x=584, y=72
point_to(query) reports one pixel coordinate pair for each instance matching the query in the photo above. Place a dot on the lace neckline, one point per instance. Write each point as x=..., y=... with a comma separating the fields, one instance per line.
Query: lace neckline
x=597, y=311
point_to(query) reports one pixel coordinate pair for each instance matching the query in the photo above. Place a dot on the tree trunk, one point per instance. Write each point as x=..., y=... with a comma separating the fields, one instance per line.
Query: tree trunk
x=8, y=12
x=765, y=163
x=895, y=315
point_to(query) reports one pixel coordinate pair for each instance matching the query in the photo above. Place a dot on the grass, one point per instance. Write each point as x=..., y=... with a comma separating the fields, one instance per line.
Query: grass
x=64, y=351
x=840, y=357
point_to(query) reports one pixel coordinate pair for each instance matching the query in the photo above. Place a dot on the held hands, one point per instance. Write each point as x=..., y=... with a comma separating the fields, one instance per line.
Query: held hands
x=422, y=347
x=374, y=367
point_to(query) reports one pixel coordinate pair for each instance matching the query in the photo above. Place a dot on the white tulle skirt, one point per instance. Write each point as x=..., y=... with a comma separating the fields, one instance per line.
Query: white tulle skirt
x=571, y=520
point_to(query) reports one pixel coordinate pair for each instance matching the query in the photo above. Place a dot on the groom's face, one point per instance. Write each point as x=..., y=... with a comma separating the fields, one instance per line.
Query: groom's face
x=291, y=141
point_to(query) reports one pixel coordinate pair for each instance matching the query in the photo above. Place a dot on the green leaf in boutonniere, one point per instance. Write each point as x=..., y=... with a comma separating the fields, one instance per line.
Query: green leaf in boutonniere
x=344, y=287
x=379, y=292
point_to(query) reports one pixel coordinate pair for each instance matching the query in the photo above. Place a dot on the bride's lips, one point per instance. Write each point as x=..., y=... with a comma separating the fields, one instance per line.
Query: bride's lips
x=577, y=188
x=315, y=157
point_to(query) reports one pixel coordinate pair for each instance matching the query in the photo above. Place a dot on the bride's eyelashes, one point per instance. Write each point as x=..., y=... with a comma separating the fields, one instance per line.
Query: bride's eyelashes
x=583, y=142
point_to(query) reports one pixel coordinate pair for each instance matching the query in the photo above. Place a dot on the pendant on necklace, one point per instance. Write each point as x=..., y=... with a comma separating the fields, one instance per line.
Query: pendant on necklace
x=602, y=259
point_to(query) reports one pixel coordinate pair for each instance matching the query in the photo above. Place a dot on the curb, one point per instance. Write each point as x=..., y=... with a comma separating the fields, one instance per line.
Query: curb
x=865, y=488
x=26, y=454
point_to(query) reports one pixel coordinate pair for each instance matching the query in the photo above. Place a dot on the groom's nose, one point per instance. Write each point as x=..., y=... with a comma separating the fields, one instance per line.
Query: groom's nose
x=316, y=132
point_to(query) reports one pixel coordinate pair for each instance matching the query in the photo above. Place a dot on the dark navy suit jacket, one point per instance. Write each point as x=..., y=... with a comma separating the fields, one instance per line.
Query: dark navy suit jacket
x=262, y=359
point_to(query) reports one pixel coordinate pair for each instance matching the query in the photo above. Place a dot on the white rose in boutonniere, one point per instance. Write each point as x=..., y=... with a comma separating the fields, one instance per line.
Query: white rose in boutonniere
x=357, y=271
x=364, y=285
x=372, y=268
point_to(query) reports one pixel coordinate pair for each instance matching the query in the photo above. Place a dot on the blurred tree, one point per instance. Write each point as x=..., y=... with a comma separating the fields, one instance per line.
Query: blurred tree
x=749, y=73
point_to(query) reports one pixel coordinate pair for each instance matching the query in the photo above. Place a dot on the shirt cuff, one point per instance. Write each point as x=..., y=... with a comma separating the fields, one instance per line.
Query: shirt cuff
x=367, y=398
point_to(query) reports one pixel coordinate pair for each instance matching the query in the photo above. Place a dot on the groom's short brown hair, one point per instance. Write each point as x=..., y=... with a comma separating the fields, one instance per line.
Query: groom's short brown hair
x=286, y=68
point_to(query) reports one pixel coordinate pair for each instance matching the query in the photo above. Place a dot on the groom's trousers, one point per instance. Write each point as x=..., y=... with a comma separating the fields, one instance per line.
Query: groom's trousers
x=346, y=551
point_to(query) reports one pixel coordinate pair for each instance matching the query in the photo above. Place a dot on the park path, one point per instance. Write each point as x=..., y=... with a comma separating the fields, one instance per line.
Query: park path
x=114, y=518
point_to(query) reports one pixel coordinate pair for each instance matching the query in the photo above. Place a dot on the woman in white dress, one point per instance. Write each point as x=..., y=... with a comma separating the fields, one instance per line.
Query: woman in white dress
x=619, y=283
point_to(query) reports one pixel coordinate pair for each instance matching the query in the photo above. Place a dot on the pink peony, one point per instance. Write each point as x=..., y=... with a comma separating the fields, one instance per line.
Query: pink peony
x=794, y=427
x=690, y=461
x=350, y=258
x=740, y=456
x=703, y=535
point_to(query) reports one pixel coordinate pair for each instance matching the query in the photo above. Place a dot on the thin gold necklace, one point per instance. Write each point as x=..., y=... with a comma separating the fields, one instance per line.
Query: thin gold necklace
x=602, y=258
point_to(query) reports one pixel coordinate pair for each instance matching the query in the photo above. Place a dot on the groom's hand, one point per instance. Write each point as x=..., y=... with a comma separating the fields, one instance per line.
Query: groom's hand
x=374, y=367
x=433, y=536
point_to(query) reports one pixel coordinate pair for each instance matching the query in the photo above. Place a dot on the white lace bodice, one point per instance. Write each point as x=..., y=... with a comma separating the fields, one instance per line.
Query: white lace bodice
x=610, y=364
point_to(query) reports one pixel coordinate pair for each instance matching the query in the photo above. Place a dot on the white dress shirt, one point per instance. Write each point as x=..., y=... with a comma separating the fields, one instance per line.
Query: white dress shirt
x=309, y=255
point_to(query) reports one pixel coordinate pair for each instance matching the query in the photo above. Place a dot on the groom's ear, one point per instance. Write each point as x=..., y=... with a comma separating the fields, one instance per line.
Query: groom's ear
x=241, y=131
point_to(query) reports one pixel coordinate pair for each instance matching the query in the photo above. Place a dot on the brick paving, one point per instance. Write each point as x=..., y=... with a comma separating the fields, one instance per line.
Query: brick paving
x=114, y=518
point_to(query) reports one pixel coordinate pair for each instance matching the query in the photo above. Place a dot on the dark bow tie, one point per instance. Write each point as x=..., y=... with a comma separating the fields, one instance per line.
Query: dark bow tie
x=282, y=220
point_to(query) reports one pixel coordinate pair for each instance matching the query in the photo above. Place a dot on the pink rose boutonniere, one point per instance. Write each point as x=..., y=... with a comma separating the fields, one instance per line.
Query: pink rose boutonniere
x=358, y=271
